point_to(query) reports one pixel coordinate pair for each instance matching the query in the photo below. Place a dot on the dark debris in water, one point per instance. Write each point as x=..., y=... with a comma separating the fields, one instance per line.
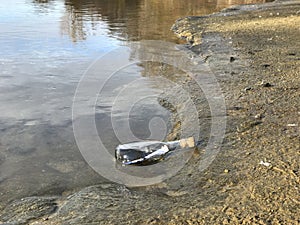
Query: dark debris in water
x=20, y=151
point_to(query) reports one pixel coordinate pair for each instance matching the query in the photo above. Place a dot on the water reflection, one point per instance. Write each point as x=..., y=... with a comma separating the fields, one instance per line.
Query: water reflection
x=39, y=72
x=136, y=19
x=44, y=6
x=43, y=3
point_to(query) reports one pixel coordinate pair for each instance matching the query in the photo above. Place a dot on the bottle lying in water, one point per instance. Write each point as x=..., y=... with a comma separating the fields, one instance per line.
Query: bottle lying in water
x=147, y=152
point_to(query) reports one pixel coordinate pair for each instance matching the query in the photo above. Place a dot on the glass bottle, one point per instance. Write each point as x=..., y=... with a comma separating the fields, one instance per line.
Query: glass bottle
x=147, y=152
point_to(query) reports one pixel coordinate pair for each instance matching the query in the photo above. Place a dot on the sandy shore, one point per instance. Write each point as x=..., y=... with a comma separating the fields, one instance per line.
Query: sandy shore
x=254, y=52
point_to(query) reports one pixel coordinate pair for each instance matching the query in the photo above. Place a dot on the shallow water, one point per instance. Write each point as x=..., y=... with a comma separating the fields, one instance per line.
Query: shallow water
x=45, y=48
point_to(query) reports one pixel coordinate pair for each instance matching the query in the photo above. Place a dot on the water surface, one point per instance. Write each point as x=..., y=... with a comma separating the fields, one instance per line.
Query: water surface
x=45, y=48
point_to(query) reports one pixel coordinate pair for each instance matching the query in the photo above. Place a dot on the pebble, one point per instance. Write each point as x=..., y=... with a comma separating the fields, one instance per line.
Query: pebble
x=292, y=125
x=267, y=164
x=265, y=65
x=258, y=116
x=232, y=59
x=266, y=84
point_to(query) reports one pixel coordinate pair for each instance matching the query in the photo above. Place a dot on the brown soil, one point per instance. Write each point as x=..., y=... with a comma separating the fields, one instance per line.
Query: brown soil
x=263, y=98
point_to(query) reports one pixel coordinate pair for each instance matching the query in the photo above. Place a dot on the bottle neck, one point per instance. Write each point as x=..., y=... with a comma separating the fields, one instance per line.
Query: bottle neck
x=173, y=144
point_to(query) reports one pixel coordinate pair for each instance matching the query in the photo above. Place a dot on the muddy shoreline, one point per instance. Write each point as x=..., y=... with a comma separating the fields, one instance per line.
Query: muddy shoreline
x=254, y=52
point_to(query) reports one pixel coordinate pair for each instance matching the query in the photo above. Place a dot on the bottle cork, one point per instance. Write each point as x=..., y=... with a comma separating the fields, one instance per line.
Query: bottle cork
x=187, y=142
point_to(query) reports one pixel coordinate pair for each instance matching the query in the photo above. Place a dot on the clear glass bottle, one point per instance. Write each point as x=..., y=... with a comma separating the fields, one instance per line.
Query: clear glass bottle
x=147, y=152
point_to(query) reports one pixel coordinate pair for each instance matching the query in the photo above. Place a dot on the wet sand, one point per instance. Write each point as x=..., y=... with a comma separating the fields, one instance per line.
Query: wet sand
x=254, y=53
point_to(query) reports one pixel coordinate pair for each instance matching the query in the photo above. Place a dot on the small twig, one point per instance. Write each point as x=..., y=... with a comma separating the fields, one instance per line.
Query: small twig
x=290, y=172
